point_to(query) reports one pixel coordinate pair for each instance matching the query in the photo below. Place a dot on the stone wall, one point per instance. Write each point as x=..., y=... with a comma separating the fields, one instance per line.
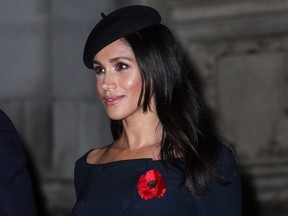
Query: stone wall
x=241, y=49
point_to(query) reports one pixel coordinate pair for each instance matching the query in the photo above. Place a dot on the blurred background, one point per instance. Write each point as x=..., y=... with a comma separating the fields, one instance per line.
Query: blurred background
x=239, y=47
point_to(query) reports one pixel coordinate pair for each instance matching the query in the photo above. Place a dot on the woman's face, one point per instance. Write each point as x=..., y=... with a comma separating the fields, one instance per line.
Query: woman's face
x=118, y=80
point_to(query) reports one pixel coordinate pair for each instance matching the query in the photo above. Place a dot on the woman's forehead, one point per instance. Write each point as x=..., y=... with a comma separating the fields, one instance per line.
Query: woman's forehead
x=117, y=49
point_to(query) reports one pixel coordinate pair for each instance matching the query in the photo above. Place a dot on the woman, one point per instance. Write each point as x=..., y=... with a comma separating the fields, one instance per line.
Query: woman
x=164, y=159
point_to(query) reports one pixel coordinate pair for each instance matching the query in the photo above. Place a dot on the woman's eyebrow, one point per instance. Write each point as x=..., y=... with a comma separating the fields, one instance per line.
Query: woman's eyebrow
x=119, y=58
x=96, y=62
x=113, y=59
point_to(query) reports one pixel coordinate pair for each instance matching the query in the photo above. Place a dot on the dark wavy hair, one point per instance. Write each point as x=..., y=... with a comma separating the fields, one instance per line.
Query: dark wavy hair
x=187, y=131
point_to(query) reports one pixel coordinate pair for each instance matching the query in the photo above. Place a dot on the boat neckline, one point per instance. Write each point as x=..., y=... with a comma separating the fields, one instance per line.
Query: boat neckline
x=128, y=160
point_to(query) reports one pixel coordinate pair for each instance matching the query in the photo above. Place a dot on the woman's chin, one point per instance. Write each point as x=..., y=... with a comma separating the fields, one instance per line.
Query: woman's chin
x=115, y=116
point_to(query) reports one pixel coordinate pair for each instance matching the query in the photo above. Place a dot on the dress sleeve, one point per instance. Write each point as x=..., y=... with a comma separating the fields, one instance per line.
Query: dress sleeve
x=79, y=173
x=223, y=200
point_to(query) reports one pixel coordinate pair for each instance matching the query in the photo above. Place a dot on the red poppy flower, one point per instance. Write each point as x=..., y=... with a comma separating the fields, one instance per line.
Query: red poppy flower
x=151, y=185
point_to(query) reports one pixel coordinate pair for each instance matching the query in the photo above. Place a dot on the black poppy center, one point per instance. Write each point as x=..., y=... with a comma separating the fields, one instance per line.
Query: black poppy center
x=152, y=183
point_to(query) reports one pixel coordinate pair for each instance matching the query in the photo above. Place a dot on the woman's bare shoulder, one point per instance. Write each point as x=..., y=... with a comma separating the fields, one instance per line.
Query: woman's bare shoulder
x=96, y=155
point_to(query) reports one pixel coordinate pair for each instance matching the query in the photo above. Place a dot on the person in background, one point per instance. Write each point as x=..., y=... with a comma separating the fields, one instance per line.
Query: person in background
x=165, y=159
x=16, y=192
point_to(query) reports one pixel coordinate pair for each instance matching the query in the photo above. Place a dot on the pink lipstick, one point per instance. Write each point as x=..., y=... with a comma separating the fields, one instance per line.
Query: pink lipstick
x=111, y=100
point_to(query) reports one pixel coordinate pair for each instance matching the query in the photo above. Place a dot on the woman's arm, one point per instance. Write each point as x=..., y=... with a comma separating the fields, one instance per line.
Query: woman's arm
x=223, y=200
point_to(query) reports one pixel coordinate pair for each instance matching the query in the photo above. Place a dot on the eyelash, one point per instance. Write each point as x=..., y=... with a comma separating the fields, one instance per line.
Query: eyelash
x=119, y=67
x=98, y=70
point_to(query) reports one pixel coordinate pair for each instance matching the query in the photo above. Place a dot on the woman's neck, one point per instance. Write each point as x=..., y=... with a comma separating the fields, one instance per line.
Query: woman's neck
x=141, y=131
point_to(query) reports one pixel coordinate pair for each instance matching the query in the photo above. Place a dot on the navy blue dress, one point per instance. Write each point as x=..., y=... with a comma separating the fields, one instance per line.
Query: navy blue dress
x=111, y=189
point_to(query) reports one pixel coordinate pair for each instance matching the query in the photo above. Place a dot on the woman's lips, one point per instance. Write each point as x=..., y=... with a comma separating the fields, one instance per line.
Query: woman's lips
x=109, y=101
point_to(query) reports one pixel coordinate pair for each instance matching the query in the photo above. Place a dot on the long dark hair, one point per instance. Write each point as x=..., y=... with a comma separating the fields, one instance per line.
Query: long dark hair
x=168, y=76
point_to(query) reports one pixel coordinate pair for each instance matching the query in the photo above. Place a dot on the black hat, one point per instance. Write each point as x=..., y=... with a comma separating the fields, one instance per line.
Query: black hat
x=117, y=24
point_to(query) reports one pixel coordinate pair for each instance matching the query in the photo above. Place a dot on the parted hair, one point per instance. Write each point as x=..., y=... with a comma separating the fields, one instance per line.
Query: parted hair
x=187, y=129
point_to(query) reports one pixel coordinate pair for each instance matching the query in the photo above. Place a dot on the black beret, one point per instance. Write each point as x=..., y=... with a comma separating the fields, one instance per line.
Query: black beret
x=118, y=24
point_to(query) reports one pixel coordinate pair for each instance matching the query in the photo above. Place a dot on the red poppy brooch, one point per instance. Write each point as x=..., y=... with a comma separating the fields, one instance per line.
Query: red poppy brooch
x=151, y=185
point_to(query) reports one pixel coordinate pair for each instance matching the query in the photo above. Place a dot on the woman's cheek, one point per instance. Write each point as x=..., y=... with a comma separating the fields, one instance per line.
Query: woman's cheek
x=98, y=86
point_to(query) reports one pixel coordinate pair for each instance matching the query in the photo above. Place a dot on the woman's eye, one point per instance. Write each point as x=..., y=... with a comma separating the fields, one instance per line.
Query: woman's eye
x=121, y=66
x=98, y=70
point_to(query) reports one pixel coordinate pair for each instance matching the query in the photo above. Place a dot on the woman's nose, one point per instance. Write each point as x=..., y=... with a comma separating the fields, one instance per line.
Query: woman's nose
x=108, y=82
